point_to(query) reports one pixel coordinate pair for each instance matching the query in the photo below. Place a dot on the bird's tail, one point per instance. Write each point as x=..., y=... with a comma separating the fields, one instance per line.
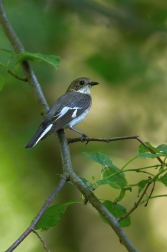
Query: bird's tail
x=38, y=136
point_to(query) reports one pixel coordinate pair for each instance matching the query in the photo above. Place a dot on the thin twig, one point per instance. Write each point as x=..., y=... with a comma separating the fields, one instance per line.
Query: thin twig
x=107, y=140
x=152, y=190
x=42, y=241
x=17, y=77
x=49, y=200
x=135, y=205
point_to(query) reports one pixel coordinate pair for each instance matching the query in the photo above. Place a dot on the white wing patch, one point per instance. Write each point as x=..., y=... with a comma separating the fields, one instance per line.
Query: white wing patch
x=44, y=133
x=74, y=114
x=65, y=110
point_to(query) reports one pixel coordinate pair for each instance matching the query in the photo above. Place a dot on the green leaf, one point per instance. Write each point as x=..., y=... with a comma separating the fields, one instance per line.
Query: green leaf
x=163, y=179
x=143, y=149
x=118, y=211
x=99, y=158
x=51, y=59
x=53, y=215
x=143, y=152
x=142, y=184
x=111, y=175
x=162, y=148
x=149, y=155
x=122, y=194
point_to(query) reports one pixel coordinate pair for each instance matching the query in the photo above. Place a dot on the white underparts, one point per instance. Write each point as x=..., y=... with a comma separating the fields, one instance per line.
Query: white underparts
x=78, y=119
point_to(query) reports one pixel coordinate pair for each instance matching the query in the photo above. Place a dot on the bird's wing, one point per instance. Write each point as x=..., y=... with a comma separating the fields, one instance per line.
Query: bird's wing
x=66, y=108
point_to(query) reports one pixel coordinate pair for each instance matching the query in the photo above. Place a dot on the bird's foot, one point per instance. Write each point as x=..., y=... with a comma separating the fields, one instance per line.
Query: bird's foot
x=85, y=139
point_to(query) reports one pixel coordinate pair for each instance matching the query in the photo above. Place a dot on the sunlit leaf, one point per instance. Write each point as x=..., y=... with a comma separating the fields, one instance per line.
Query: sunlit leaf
x=99, y=158
x=118, y=211
x=53, y=215
x=51, y=59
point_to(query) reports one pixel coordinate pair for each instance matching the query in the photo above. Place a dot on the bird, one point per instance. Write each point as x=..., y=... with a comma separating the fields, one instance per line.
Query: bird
x=67, y=111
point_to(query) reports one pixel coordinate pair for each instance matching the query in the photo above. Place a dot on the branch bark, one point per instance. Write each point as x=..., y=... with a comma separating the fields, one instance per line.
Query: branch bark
x=49, y=200
x=65, y=153
x=28, y=71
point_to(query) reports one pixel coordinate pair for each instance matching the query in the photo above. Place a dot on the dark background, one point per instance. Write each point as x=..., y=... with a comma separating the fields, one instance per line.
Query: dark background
x=122, y=45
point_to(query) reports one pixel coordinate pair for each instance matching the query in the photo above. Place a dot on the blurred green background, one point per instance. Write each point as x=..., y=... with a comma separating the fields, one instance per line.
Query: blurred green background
x=122, y=45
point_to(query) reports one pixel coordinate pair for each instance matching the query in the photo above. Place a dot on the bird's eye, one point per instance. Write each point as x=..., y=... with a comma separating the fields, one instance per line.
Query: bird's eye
x=81, y=82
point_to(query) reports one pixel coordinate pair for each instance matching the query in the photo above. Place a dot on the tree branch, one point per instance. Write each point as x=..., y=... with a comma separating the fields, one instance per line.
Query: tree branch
x=49, y=200
x=113, y=139
x=65, y=154
x=88, y=194
x=18, y=48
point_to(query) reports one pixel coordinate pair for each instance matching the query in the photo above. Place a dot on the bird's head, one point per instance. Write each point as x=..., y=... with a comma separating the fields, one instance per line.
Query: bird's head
x=82, y=85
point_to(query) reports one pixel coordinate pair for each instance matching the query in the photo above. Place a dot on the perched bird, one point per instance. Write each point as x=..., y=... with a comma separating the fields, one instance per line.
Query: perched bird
x=67, y=111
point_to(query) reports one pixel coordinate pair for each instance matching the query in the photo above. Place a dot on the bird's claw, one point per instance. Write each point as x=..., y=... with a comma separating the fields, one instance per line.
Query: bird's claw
x=85, y=139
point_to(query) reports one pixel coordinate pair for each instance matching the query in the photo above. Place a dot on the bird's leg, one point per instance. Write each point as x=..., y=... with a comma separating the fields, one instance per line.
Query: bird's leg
x=84, y=136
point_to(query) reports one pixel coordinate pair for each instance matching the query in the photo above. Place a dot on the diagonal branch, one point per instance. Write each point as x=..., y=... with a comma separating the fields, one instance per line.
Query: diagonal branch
x=88, y=194
x=65, y=154
x=49, y=200
x=18, y=48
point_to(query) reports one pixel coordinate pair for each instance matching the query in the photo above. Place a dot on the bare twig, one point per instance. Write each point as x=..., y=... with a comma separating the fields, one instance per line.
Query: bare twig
x=152, y=190
x=49, y=200
x=17, y=77
x=113, y=139
x=42, y=241
x=136, y=204
x=106, y=140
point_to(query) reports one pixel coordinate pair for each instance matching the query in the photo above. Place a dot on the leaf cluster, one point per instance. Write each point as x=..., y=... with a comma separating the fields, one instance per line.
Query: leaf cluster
x=115, y=178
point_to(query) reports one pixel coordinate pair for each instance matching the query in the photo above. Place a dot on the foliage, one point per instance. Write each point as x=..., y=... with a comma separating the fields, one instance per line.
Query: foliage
x=124, y=46
x=115, y=178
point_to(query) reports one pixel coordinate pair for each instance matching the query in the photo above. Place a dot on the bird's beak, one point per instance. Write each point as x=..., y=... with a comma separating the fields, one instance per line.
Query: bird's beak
x=93, y=83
